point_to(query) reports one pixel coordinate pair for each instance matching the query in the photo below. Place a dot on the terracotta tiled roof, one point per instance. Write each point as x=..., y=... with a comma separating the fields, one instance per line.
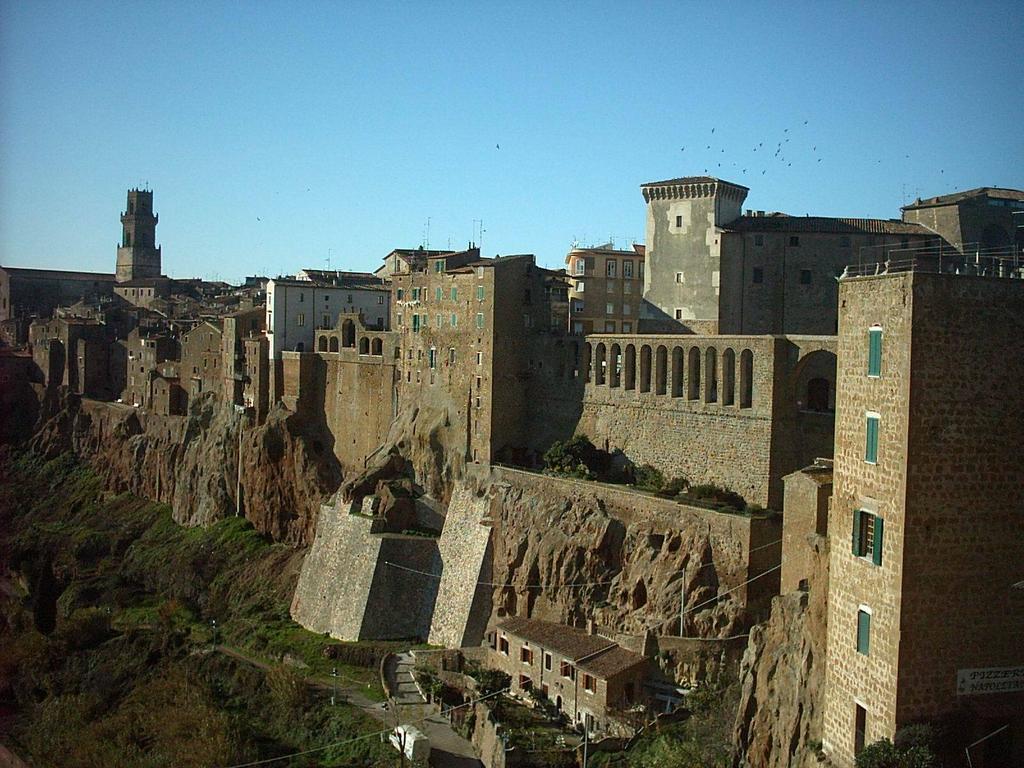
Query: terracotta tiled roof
x=825, y=224
x=998, y=193
x=591, y=653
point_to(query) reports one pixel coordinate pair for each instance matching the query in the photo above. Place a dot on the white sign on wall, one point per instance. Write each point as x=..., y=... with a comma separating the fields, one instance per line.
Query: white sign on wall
x=970, y=682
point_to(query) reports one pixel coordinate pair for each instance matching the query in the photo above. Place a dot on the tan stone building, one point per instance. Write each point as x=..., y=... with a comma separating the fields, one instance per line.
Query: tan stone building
x=713, y=267
x=605, y=289
x=147, y=351
x=467, y=326
x=925, y=622
x=590, y=679
x=201, y=358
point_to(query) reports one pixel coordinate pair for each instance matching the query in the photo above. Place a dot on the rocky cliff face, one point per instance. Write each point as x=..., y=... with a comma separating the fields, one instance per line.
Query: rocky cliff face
x=207, y=465
x=778, y=723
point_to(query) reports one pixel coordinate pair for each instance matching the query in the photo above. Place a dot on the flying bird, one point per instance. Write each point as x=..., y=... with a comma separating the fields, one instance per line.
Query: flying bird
x=497, y=146
x=805, y=122
x=712, y=130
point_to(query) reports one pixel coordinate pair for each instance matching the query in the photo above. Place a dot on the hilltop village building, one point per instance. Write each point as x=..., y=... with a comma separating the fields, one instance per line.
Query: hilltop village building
x=297, y=308
x=606, y=289
x=925, y=609
x=466, y=325
x=713, y=268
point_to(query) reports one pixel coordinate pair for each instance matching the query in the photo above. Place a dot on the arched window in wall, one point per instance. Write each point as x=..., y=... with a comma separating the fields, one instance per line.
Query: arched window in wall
x=377, y=347
x=677, y=371
x=711, y=375
x=600, y=365
x=746, y=379
x=587, y=356
x=629, y=368
x=645, y=368
x=728, y=377
x=321, y=344
x=348, y=334
x=364, y=346
x=660, y=370
x=614, y=366
x=693, y=374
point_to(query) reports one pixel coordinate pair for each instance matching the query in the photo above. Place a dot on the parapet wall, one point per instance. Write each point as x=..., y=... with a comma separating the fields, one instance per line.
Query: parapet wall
x=730, y=410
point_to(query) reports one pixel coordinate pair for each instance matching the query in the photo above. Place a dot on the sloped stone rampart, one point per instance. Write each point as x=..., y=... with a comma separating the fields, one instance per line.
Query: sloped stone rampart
x=460, y=614
x=337, y=575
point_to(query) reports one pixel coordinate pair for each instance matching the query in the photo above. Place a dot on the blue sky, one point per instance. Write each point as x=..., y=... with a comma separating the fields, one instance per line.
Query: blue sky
x=274, y=134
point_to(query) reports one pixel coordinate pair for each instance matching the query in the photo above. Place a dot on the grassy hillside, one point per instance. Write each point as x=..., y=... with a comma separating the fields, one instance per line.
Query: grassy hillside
x=107, y=612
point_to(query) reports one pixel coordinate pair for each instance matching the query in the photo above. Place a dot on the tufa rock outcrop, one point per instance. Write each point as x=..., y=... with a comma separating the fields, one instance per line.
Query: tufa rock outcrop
x=207, y=465
x=779, y=719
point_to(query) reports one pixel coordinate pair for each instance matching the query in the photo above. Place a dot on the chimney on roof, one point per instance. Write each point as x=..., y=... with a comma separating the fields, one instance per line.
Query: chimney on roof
x=591, y=627
x=748, y=212
x=760, y=213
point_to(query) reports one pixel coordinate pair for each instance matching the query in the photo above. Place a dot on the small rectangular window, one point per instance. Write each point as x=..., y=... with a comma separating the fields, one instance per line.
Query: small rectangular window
x=438, y=292
x=455, y=321
x=805, y=277
x=794, y=241
x=479, y=293
x=415, y=323
x=626, y=309
x=610, y=267
x=526, y=655
x=567, y=670
x=400, y=293
x=589, y=683
x=438, y=266
x=627, y=269
x=609, y=326
x=758, y=275
x=415, y=294
x=679, y=313
x=327, y=321
x=867, y=535
x=479, y=319
x=581, y=267
x=871, y=438
x=864, y=630
x=609, y=308
x=627, y=327
x=580, y=286
x=455, y=293
x=503, y=645
x=479, y=358
x=679, y=221
x=875, y=351
x=300, y=319
x=679, y=277
x=860, y=727
x=640, y=270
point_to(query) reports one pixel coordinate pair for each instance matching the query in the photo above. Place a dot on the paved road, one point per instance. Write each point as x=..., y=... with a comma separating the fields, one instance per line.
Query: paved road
x=447, y=748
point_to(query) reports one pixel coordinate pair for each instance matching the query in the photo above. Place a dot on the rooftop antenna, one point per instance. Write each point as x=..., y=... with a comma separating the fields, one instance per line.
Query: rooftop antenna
x=329, y=259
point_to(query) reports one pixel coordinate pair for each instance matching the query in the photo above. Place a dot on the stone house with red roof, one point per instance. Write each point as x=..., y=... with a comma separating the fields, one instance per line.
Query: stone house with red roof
x=592, y=680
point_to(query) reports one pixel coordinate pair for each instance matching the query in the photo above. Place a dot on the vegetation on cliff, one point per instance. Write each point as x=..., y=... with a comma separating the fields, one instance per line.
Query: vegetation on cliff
x=110, y=614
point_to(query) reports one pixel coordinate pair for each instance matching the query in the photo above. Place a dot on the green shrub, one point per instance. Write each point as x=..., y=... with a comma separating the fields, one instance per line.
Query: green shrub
x=716, y=494
x=674, y=487
x=885, y=754
x=576, y=457
x=648, y=478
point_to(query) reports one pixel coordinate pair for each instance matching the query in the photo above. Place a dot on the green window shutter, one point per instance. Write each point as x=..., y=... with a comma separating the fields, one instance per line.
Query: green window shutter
x=875, y=352
x=856, y=532
x=876, y=550
x=863, y=632
x=871, y=443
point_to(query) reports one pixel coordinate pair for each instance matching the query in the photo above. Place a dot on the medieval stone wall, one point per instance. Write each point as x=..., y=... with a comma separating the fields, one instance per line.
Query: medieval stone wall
x=463, y=605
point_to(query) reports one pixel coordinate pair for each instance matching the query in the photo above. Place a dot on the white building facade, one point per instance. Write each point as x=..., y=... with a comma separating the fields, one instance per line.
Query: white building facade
x=297, y=308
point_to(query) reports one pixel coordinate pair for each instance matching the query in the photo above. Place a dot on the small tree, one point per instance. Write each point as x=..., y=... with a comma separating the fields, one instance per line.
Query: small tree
x=885, y=754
